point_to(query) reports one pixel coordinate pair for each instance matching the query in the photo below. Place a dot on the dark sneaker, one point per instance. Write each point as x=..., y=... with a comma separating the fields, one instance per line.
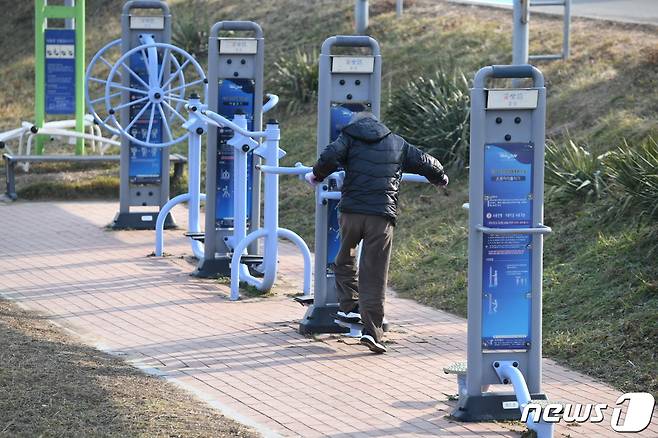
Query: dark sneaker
x=352, y=316
x=374, y=346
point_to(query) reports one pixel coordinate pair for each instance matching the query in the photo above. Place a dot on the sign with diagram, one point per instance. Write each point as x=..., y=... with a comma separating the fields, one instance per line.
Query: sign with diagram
x=145, y=162
x=60, y=71
x=507, y=258
x=235, y=96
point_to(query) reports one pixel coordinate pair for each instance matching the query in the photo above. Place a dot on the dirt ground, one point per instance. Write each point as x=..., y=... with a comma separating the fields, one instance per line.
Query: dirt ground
x=53, y=385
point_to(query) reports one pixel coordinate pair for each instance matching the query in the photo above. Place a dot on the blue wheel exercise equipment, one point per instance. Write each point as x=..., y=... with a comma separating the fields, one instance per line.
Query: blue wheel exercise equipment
x=158, y=109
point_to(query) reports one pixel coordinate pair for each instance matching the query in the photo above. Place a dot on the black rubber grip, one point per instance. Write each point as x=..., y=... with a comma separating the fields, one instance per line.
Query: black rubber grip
x=512, y=71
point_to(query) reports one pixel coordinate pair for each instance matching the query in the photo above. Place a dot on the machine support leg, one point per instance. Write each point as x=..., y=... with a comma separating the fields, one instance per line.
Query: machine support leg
x=508, y=372
x=10, y=169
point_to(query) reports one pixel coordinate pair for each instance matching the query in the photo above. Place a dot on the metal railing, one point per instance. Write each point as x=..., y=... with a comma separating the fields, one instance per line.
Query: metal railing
x=520, y=37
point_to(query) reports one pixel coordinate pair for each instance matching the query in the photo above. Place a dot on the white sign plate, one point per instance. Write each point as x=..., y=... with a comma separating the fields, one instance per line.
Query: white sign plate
x=513, y=99
x=143, y=22
x=352, y=64
x=510, y=405
x=238, y=46
x=60, y=51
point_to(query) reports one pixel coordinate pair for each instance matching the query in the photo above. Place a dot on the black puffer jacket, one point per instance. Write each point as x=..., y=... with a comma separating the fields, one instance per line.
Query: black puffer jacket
x=374, y=159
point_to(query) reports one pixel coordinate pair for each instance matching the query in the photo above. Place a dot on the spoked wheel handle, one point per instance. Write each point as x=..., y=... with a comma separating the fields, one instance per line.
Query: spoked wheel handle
x=96, y=77
x=95, y=104
x=160, y=96
x=96, y=100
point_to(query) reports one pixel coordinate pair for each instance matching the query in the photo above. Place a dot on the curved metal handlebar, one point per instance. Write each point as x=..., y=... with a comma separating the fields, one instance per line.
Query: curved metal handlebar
x=300, y=169
x=297, y=170
x=236, y=25
x=222, y=122
x=412, y=177
x=508, y=71
x=145, y=4
x=350, y=41
x=272, y=101
x=512, y=71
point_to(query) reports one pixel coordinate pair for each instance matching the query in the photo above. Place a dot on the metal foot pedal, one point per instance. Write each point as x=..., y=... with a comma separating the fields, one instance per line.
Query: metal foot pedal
x=304, y=300
x=355, y=328
x=196, y=235
x=459, y=369
x=251, y=260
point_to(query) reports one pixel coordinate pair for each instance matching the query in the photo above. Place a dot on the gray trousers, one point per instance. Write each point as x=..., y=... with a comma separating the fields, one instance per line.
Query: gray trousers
x=367, y=286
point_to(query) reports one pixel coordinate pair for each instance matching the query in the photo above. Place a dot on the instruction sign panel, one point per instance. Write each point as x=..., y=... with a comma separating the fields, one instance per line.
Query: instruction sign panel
x=235, y=95
x=145, y=162
x=60, y=71
x=340, y=116
x=507, y=258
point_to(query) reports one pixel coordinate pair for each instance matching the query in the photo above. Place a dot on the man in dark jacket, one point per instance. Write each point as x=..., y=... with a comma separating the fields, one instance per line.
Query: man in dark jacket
x=373, y=159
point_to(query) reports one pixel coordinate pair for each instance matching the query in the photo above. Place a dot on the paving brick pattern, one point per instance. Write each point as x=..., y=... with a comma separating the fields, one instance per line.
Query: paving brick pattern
x=246, y=356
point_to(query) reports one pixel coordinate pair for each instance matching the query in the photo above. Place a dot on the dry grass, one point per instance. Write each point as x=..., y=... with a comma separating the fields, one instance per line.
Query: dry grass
x=52, y=385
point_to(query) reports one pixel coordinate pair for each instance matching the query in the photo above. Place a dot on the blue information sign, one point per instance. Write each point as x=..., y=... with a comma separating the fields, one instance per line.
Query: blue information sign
x=340, y=116
x=234, y=95
x=145, y=162
x=60, y=71
x=507, y=262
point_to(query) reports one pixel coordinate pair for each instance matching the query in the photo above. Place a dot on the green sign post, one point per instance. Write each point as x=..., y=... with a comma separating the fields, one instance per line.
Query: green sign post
x=60, y=65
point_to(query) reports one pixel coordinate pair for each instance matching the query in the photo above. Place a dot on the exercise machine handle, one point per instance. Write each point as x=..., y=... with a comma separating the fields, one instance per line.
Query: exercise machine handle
x=350, y=41
x=272, y=101
x=508, y=71
x=236, y=25
x=145, y=4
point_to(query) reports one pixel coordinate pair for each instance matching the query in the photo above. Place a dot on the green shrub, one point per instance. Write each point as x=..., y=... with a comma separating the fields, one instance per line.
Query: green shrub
x=434, y=113
x=190, y=27
x=295, y=79
x=634, y=178
x=572, y=172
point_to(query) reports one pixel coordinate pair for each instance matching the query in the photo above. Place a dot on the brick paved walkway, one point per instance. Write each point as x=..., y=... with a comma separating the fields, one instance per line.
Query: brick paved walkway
x=246, y=357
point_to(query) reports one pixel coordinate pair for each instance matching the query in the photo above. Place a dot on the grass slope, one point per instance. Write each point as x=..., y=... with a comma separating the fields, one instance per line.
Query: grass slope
x=600, y=296
x=51, y=385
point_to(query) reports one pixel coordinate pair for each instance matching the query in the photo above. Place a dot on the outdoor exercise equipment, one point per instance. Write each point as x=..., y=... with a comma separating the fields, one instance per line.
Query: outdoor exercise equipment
x=271, y=232
x=59, y=82
x=142, y=98
x=506, y=230
x=143, y=92
x=347, y=84
x=235, y=77
x=59, y=66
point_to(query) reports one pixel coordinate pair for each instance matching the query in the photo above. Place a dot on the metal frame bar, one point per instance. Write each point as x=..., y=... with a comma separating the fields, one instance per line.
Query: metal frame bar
x=520, y=32
x=74, y=14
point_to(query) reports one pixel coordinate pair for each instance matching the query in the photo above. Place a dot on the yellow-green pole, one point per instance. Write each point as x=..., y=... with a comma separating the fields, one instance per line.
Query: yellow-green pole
x=39, y=70
x=41, y=14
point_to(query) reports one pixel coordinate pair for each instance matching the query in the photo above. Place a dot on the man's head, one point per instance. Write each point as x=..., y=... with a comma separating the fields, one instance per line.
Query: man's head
x=362, y=115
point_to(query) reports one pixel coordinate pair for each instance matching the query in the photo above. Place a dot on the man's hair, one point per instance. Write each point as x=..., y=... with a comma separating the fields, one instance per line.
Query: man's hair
x=362, y=115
